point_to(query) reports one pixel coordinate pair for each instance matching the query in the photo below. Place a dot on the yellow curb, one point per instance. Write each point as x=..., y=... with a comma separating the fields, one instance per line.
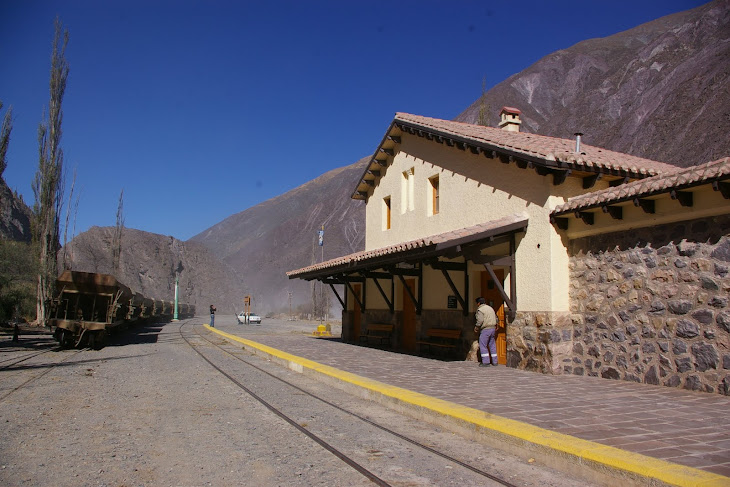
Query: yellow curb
x=634, y=463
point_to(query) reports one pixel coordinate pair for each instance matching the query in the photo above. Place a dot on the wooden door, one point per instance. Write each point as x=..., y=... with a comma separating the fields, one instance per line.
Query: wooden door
x=356, y=314
x=408, y=333
x=494, y=299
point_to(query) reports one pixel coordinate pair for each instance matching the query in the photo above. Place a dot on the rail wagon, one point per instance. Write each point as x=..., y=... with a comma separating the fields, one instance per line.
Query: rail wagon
x=87, y=306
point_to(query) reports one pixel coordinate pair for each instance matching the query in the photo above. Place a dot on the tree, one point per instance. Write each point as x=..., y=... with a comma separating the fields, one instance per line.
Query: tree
x=5, y=130
x=117, y=238
x=47, y=185
x=484, y=108
x=65, y=264
x=17, y=265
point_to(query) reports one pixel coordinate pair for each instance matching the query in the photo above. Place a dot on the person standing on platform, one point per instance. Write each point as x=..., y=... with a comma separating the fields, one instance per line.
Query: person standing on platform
x=485, y=327
x=212, y=316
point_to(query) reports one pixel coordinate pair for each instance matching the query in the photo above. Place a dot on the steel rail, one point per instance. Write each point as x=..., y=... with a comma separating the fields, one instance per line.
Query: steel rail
x=24, y=358
x=368, y=474
x=49, y=368
x=376, y=425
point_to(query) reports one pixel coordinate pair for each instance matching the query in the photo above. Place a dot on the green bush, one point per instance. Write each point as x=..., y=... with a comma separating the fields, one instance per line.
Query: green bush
x=17, y=281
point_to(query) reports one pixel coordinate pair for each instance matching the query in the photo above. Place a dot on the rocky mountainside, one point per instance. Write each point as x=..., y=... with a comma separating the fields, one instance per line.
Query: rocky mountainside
x=262, y=243
x=659, y=91
x=149, y=263
x=14, y=215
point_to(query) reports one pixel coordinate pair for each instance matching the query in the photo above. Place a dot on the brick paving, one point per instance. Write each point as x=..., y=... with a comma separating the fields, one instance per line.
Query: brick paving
x=684, y=427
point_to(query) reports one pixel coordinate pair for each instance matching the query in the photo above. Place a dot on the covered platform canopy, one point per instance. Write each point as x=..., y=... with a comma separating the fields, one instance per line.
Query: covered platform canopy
x=490, y=244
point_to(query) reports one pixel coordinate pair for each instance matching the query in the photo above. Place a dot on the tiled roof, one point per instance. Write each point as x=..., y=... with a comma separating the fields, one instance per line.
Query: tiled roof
x=679, y=178
x=435, y=242
x=539, y=146
x=511, y=110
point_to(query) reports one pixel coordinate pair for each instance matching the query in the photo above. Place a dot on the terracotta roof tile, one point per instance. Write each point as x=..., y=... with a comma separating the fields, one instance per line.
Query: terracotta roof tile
x=680, y=177
x=540, y=146
x=430, y=241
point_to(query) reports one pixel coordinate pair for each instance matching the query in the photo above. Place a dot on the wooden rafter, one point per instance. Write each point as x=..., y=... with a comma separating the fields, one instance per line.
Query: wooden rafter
x=383, y=275
x=414, y=300
x=332, y=286
x=616, y=212
x=723, y=188
x=507, y=300
x=647, y=205
x=590, y=181
x=445, y=267
x=684, y=197
x=586, y=216
x=559, y=177
x=562, y=223
x=357, y=298
x=619, y=181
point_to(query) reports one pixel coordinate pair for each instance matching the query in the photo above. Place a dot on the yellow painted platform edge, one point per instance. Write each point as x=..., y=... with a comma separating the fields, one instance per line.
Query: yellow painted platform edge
x=636, y=463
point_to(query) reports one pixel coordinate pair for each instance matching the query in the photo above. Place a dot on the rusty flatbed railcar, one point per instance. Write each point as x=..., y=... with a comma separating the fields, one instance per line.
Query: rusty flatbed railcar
x=89, y=305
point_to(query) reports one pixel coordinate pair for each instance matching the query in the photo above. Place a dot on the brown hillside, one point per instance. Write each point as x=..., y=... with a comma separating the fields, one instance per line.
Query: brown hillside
x=263, y=242
x=148, y=264
x=659, y=91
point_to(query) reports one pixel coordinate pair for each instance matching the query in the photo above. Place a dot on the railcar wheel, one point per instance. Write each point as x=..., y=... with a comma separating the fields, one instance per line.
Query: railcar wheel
x=97, y=340
x=64, y=338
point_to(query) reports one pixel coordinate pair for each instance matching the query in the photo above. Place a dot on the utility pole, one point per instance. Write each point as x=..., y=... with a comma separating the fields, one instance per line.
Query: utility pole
x=291, y=318
x=321, y=285
x=177, y=283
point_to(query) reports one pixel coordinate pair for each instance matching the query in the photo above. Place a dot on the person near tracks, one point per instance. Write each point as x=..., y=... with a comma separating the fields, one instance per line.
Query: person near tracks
x=485, y=327
x=212, y=316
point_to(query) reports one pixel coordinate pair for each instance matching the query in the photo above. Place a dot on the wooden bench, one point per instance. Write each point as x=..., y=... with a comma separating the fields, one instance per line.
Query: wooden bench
x=441, y=338
x=380, y=331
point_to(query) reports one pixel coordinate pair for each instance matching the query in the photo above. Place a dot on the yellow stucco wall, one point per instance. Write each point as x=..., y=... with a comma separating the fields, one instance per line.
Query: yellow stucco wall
x=706, y=202
x=474, y=189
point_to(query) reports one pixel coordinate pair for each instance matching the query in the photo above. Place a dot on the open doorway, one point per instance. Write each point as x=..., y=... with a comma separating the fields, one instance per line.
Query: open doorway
x=491, y=293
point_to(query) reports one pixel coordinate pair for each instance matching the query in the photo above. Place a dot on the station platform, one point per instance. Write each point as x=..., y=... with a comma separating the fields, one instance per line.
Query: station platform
x=645, y=434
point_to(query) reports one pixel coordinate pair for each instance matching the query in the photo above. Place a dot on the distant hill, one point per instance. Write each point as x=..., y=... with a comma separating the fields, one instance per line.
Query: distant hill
x=263, y=242
x=659, y=91
x=148, y=265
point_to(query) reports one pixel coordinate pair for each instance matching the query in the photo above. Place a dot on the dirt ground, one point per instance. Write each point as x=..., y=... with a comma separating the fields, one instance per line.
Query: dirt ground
x=146, y=410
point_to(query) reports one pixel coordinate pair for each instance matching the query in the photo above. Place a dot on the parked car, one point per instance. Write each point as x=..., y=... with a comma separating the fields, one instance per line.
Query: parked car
x=253, y=318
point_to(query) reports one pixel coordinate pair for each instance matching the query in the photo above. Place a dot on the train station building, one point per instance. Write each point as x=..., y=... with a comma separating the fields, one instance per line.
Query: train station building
x=598, y=263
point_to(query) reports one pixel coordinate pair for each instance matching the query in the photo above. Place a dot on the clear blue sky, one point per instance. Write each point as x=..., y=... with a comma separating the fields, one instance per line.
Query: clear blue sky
x=201, y=109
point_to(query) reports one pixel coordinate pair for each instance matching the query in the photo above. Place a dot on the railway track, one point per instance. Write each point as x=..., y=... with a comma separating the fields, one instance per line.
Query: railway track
x=4, y=365
x=373, y=477
x=44, y=369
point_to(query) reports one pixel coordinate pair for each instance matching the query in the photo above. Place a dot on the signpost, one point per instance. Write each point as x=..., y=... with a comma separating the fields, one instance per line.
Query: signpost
x=247, y=306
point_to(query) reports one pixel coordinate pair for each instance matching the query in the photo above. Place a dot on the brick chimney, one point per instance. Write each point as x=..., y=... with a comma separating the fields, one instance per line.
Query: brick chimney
x=510, y=119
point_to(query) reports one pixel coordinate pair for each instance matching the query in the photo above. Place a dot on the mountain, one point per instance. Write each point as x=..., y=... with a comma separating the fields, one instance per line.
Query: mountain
x=659, y=91
x=262, y=243
x=14, y=215
x=148, y=265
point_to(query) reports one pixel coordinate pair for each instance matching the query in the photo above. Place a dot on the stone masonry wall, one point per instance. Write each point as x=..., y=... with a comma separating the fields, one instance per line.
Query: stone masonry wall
x=651, y=306
x=540, y=341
